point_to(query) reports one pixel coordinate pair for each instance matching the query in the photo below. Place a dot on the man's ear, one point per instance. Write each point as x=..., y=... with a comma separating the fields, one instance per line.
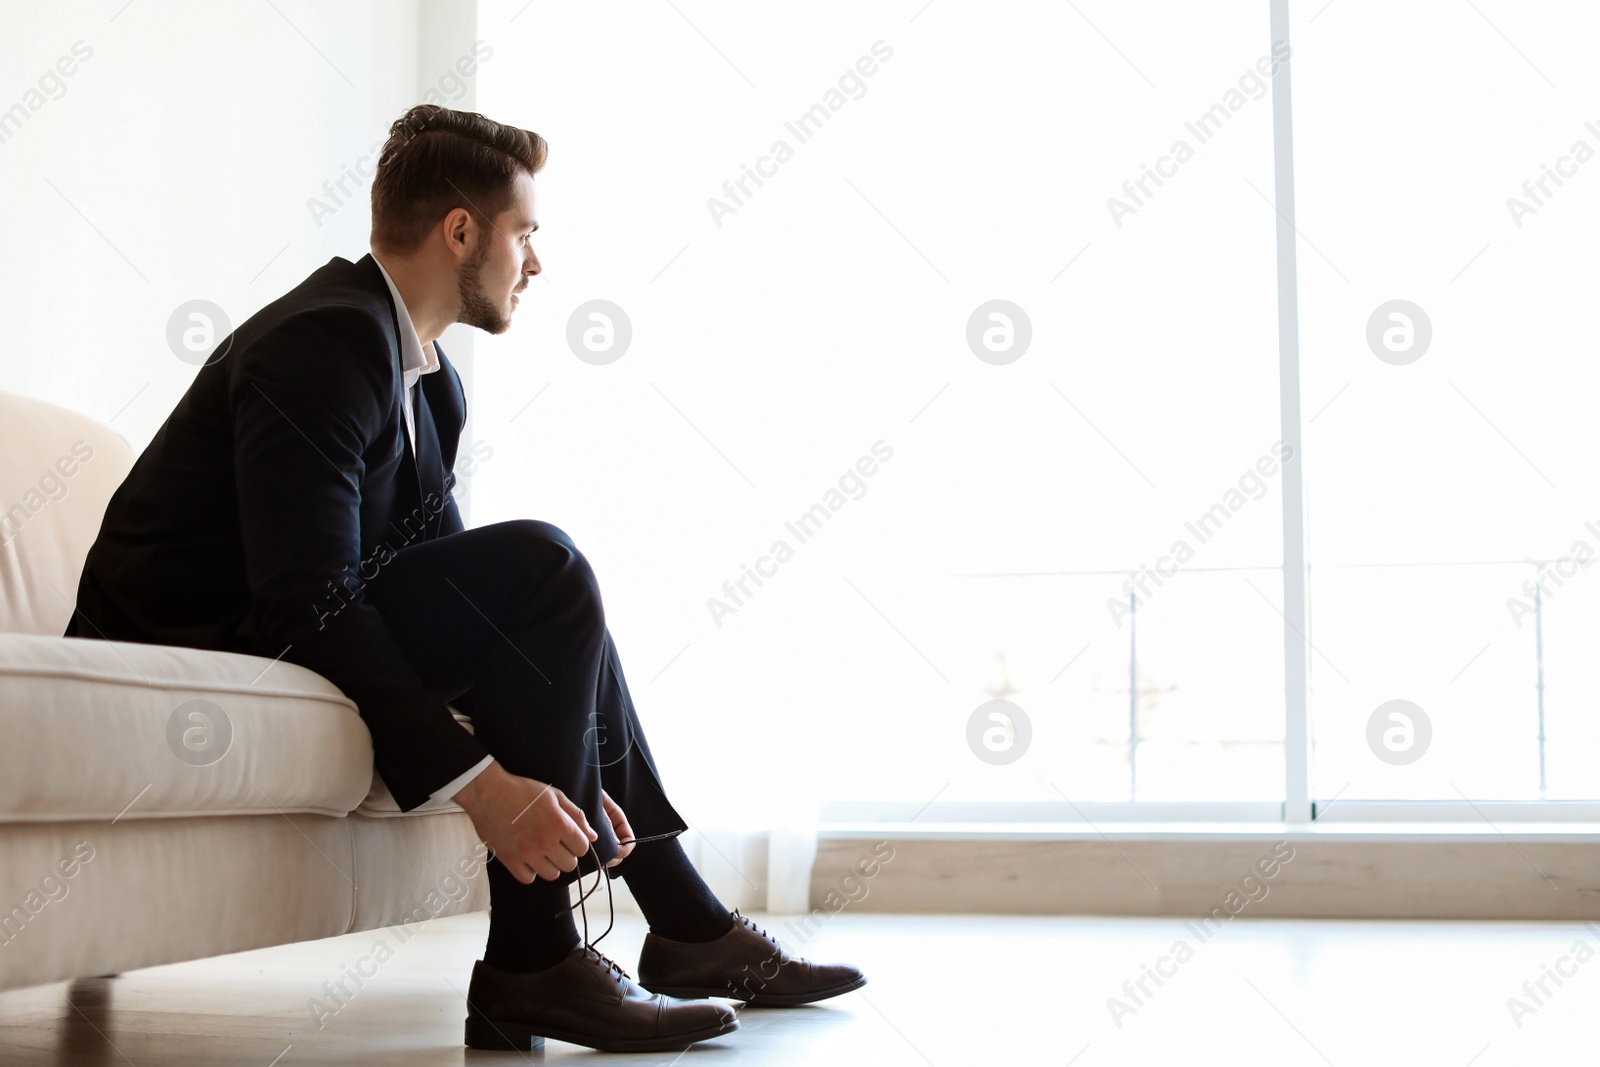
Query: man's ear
x=460, y=232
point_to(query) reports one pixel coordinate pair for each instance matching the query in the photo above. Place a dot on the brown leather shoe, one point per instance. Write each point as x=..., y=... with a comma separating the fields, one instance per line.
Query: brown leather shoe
x=747, y=964
x=588, y=1000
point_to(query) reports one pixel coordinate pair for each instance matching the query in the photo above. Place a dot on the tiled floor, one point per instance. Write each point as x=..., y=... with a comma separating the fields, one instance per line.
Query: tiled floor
x=944, y=990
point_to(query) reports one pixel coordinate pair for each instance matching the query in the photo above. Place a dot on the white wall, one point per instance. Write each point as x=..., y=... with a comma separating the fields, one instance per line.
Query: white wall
x=185, y=149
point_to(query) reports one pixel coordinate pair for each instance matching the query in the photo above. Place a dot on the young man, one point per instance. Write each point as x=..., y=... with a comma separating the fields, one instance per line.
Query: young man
x=296, y=504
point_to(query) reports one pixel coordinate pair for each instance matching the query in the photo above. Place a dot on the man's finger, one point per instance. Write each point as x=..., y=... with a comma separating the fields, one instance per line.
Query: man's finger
x=618, y=817
x=514, y=864
x=581, y=820
x=573, y=840
x=578, y=817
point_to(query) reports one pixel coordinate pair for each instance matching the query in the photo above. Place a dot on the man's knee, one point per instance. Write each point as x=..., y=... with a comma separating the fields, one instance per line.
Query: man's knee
x=561, y=571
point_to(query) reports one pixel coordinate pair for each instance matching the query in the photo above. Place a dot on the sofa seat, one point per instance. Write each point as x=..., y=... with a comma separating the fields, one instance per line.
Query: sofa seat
x=131, y=835
x=172, y=732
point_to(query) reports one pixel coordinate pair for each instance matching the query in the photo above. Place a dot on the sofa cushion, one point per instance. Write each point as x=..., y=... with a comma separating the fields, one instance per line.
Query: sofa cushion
x=58, y=470
x=116, y=730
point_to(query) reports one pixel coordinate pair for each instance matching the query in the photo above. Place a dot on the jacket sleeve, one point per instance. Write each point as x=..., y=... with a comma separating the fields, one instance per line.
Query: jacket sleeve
x=308, y=399
x=450, y=522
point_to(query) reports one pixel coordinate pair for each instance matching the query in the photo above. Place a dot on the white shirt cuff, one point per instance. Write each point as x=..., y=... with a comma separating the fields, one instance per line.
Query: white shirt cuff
x=455, y=785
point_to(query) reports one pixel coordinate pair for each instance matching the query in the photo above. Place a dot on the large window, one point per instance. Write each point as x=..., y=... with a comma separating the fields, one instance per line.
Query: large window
x=891, y=367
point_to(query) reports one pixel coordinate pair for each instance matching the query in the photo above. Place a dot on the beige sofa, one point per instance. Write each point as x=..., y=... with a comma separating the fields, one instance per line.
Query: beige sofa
x=162, y=804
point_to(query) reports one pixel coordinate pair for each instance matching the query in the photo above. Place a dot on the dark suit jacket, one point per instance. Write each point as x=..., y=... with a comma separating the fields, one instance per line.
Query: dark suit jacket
x=280, y=481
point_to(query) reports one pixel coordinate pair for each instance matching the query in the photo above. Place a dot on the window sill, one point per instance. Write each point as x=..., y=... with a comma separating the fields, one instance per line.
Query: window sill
x=1459, y=831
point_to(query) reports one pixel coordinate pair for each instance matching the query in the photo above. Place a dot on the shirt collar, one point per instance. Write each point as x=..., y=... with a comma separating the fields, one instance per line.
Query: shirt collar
x=416, y=358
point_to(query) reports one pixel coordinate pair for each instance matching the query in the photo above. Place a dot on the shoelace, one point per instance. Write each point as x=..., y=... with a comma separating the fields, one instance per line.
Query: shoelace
x=601, y=959
x=770, y=939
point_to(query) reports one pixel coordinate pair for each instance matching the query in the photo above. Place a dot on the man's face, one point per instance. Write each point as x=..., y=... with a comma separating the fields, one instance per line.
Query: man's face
x=502, y=265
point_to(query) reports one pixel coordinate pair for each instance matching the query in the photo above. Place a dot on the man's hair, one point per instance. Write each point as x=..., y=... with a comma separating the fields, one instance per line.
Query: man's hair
x=436, y=160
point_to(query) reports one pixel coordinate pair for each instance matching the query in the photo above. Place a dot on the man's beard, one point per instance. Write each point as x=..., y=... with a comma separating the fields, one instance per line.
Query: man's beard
x=476, y=307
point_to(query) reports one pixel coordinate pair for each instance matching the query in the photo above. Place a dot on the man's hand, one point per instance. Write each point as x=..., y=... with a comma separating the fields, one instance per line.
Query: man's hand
x=534, y=830
x=619, y=826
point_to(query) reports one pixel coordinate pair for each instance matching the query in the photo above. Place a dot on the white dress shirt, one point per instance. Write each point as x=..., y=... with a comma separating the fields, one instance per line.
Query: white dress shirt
x=417, y=359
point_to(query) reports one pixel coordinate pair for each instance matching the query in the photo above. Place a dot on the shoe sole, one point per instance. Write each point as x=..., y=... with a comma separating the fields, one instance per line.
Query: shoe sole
x=504, y=1036
x=761, y=1000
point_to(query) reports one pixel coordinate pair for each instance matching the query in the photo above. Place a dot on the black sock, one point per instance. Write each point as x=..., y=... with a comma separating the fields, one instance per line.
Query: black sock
x=678, y=905
x=530, y=926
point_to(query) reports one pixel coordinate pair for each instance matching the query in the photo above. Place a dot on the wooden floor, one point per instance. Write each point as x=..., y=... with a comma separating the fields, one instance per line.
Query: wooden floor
x=943, y=990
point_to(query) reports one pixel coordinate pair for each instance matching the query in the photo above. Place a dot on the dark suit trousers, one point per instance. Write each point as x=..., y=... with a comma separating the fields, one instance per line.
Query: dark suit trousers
x=505, y=622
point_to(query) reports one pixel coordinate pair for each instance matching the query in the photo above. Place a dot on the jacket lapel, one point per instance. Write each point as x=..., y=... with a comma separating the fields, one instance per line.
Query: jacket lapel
x=430, y=468
x=409, y=491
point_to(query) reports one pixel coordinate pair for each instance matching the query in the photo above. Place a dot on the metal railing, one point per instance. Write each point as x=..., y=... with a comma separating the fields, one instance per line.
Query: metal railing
x=1542, y=573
